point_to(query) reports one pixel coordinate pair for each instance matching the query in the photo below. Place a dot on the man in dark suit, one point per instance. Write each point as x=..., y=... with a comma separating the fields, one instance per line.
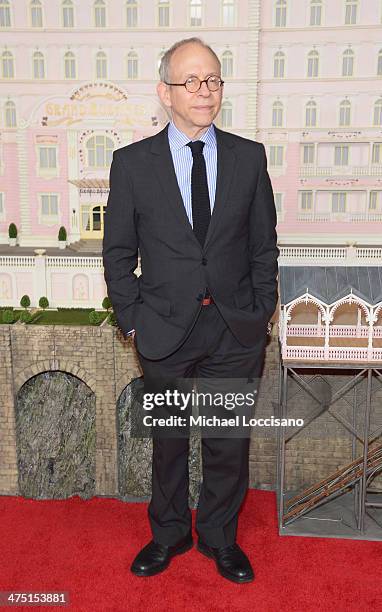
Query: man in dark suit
x=198, y=204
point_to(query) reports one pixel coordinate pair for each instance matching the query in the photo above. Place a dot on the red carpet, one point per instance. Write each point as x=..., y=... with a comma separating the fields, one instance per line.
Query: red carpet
x=86, y=547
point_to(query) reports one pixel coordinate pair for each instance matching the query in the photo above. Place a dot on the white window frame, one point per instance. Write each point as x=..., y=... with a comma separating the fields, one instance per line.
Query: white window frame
x=132, y=59
x=41, y=11
x=341, y=155
x=164, y=4
x=345, y=113
x=311, y=147
x=11, y=61
x=338, y=201
x=353, y=5
x=229, y=4
x=280, y=14
x=43, y=218
x=110, y=154
x=191, y=6
x=313, y=61
x=72, y=10
x=102, y=4
x=279, y=56
x=376, y=153
x=104, y=59
x=6, y=11
x=274, y=156
x=314, y=5
x=133, y=8
x=39, y=78
x=46, y=171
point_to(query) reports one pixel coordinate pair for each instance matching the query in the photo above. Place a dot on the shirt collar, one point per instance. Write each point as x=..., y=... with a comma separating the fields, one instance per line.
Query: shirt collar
x=178, y=139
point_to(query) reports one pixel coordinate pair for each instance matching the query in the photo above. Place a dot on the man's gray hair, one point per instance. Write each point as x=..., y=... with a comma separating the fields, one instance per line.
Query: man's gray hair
x=164, y=67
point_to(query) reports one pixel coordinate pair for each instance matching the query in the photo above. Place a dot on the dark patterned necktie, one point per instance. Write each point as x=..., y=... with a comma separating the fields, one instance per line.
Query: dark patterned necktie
x=201, y=211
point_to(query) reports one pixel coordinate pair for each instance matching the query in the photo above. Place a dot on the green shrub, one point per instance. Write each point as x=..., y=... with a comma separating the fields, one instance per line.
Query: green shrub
x=8, y=316
x=25, y=301
x=106, y=303
x=43, y=302
x=111, y=319
x=12, y=230
x=94, y=317
x=25, y=316
x=62, y=233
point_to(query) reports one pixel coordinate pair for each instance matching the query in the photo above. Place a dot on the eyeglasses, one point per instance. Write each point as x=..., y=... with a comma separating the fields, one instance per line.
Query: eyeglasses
x=193, y=84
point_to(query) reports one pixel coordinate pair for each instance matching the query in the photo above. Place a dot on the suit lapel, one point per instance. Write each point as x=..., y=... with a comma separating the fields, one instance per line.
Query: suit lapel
x=226, y=162
x=165, y=172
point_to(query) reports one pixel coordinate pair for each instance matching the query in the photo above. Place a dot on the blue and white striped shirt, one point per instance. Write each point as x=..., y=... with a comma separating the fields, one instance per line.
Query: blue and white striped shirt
x=182, y=158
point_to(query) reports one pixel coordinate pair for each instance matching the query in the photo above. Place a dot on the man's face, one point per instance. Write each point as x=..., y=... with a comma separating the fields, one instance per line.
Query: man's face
x=191, y=111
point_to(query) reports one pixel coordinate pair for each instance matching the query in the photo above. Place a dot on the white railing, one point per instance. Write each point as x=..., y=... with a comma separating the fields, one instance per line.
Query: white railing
x=335, y=331
x=308, y=171
x=74, y=262
x=338, y=353
x=313, y=252
x=17, y=261
x=315, y=256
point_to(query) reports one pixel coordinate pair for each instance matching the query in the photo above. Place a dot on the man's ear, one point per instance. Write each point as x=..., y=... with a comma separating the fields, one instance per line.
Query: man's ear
x=163, y=93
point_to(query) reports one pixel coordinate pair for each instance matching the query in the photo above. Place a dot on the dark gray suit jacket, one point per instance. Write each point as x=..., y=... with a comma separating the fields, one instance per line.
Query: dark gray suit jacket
x=238, y=263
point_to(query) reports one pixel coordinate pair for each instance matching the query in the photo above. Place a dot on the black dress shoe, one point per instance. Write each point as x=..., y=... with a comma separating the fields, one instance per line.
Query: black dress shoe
x=155, y=557
x=231, y=562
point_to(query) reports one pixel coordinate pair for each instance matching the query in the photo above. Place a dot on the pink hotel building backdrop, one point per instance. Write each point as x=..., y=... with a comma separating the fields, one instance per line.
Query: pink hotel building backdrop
x=77, y=80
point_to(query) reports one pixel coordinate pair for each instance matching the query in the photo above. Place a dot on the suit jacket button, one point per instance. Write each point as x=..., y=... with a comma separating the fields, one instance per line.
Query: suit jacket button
x=204, y=261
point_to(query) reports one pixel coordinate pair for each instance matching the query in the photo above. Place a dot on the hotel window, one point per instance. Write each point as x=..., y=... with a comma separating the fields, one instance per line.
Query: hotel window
x=276, y=156
x=277, y=114
x=228, y=12
x=377, y=115
x=311, y=114
x=227, y=64
x=49, y=206
x=315, y=12
x=36, y=14
x=312, y=70
x=345, y=108
x=69, y=65
x=306, y=200
x=379, y=64
x=131, y=14
x=280, y=13
x=226, y=114
x=38, y=65
x=132, y=65
x=279, y=65
x=67, y=14
x=99, y=14
x=101, y=65
x=376, y=153
x=1, y=205
x=10, y=114
x=373, y=200
x=308, y=154
x=278, y=202
x=341, y=155
x=339, y=202
x=348, y=62
x=47, y=158
x=100, y=151
x=351, y=12
x=195, y=12
x=163, y=13
x=5, y=14
x=7, y=65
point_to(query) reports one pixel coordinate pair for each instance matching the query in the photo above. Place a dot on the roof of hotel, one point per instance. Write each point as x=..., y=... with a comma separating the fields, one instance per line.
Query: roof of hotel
x=330, y=283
